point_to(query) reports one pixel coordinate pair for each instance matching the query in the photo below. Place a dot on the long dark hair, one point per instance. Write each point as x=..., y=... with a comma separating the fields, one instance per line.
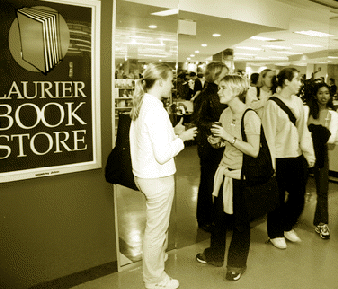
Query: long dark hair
x=285, y=74
x=313, y=101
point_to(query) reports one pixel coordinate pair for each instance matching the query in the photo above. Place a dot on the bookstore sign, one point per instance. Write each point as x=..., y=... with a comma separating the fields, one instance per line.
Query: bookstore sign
x=49, y=88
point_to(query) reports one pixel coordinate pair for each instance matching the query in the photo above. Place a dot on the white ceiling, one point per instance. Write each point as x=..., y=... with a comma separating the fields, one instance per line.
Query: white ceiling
x=134, y=39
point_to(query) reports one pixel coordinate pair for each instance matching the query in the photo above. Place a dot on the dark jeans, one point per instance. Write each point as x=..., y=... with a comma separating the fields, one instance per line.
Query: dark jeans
x=290, y=178
x=322, y=189
x=204, y=209
x=238, y=222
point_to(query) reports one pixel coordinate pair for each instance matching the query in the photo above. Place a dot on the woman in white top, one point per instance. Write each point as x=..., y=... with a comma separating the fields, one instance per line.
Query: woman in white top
x=259, y=95
x=229, y=204
x=153, y=145
x=323, y=123
x=288, y=143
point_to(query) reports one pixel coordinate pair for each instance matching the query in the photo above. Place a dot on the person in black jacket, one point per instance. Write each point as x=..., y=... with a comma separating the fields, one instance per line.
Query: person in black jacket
x=207, y=110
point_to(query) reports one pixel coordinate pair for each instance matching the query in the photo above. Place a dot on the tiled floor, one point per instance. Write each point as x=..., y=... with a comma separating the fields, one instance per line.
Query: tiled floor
x=310, y=265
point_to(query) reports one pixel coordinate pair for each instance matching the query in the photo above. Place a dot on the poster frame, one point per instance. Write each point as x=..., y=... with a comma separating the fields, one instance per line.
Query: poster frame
x=96, y=162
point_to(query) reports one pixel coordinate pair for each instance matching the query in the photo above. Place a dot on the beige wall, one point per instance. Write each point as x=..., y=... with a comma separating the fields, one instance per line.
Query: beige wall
x=53, y=227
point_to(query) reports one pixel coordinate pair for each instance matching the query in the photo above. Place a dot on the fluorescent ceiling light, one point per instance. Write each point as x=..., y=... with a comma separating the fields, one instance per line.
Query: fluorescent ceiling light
x=313, y=33
x=248, y=48
x=188, y=58
x=192, y=55
x=262, y=38
x=333, y=57
x=166, y=12
x=283, y=64
x=279, y=57
x=204, y=45
x=152, y=26
x=262, y=58
x=277, y=46
x=289, y=52
x=154, y=55
x=197, y=51
x=216, y=35
x=298, y=63
x=308, y=45
x=246, y=54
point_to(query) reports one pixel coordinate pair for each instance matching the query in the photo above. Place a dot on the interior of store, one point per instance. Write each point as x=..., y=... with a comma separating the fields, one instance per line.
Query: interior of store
x=77, y=230
x=248, y=37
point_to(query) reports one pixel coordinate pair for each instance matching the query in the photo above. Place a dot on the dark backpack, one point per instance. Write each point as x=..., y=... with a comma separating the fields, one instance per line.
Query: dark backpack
x=257, y=170
x=119, y=168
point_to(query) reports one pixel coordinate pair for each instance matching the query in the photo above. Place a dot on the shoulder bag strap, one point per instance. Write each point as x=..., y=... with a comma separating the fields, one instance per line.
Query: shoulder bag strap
x=286, y=109
x=263, y=141
x=242, y=125
x=243, y=139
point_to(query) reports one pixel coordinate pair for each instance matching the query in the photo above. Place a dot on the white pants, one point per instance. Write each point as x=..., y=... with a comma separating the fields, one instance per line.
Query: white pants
x=159, y=195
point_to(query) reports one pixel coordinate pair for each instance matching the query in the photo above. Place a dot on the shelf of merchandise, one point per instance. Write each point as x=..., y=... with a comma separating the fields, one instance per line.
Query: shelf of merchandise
x=123, y=104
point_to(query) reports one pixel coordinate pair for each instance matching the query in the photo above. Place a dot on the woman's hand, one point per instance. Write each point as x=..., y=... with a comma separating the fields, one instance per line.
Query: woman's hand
x=311, y=163
x=189, y=134
x=213, y=140
x=179, y=128
x=218, y=131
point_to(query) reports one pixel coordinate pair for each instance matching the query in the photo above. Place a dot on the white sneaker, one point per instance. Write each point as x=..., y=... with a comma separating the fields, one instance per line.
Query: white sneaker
x=292, y=236
x=168, y=283
x=279, y=242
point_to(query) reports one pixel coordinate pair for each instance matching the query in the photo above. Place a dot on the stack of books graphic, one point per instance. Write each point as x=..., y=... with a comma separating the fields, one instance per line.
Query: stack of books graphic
x=40, y=37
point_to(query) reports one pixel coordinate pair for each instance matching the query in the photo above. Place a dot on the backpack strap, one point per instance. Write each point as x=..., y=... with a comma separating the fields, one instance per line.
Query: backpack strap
x=264, y=156
x=242, y=125
x=286, y=109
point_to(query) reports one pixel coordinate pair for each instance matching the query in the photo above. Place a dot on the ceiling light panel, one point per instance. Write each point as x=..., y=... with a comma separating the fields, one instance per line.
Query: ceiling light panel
x=277, y=46
x=262, y=38
x=249, y=48
x=313, y=33
x=166, y=12
x=246, y=54
x=308, y=45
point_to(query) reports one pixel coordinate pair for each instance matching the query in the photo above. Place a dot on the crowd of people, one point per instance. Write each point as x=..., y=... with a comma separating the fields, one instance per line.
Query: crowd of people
x=299, y=134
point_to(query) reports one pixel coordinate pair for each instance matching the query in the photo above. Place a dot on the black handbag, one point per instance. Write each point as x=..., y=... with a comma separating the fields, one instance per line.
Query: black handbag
x=257, y=170
x=119, y=168
x=259, y=183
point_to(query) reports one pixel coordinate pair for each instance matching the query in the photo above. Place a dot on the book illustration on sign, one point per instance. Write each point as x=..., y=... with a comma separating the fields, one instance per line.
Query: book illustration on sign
x=39, y=38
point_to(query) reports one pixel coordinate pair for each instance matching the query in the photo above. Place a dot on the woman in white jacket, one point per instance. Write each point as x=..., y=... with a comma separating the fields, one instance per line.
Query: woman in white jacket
x=153, y=145
x=323, y=123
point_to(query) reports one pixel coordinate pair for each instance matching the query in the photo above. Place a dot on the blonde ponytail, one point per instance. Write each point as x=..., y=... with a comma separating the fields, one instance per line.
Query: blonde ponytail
x=137, y=99
x=153, y=72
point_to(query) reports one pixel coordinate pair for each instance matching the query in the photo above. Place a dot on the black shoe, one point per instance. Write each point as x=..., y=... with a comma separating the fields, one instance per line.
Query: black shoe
x=206, y=227
x=201, y=259
x=233, y=276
